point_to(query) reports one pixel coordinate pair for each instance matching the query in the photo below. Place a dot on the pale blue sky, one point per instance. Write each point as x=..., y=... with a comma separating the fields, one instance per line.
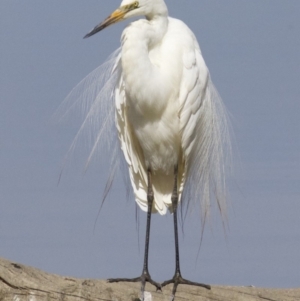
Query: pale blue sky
x=252, y=50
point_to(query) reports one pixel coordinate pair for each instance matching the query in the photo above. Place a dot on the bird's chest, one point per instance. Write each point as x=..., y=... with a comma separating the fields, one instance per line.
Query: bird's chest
x=152, y=86
x=152, y=93
x=151, y=83
x=153, y=115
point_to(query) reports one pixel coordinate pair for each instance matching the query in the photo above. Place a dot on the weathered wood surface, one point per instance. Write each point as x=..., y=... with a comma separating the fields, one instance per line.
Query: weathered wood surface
x=19, y=282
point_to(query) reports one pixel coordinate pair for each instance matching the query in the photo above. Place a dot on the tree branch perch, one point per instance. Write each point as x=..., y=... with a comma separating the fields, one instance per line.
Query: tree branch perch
x=19, y=282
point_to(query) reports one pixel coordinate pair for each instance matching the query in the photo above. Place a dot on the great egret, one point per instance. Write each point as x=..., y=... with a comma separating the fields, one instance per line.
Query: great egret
x=169, y=118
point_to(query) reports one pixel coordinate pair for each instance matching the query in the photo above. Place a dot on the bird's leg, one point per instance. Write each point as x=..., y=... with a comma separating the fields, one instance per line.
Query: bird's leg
x=177, y=278
x=145, y=273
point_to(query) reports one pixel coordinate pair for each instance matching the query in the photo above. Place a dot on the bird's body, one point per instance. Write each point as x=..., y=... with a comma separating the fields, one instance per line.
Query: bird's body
x=148, y=111
x=157, y=118
x=170, y=121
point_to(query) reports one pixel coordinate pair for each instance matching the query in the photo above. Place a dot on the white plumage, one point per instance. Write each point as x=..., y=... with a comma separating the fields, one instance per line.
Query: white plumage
x=167, y=114
x=170, y=120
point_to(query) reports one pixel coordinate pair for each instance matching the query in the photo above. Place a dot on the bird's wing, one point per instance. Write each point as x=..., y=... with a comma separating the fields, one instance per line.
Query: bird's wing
x=134, y=155
x=130, y=147
x=203, y=130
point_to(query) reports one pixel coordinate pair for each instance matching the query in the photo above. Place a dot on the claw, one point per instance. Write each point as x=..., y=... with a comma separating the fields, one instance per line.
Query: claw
x=177, y=279
x=145, y=277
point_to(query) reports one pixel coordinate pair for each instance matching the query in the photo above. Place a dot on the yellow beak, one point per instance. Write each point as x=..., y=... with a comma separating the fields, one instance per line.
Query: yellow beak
x=116, y=16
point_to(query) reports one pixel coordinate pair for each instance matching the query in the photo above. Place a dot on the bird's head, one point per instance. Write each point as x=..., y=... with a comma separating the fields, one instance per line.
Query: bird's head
x=130, y=8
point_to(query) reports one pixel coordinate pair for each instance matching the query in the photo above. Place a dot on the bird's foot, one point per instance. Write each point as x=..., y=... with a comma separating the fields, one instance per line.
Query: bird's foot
x=145, y=277
x=177, y=279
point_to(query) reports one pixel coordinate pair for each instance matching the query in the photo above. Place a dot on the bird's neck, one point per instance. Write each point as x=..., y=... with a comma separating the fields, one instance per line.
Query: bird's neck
x=157, y=28
x=138, y=40
x=143, y=35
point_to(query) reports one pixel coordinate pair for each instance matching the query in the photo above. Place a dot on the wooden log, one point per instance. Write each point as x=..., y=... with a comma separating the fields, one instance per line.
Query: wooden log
x=19, y=283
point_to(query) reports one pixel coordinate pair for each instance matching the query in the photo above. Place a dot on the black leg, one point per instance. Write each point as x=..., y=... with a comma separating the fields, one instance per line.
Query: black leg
x=145, y=273
x=177, y=278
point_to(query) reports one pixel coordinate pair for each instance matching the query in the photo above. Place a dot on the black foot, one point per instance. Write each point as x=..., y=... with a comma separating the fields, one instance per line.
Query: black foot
x=143, y=279
x=177, y=279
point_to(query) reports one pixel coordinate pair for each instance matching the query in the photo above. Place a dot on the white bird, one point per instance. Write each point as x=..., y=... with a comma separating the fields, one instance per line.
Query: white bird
x=170, y=121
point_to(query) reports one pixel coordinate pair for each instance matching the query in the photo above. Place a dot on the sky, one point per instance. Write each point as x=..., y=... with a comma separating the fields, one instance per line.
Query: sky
x=252, y=50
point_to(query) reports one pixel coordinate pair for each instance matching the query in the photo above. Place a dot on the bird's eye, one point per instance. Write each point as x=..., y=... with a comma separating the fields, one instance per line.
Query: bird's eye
x=136, y=4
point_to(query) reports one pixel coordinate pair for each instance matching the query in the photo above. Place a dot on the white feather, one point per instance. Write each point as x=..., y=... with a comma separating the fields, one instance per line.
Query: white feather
x=175, y=118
